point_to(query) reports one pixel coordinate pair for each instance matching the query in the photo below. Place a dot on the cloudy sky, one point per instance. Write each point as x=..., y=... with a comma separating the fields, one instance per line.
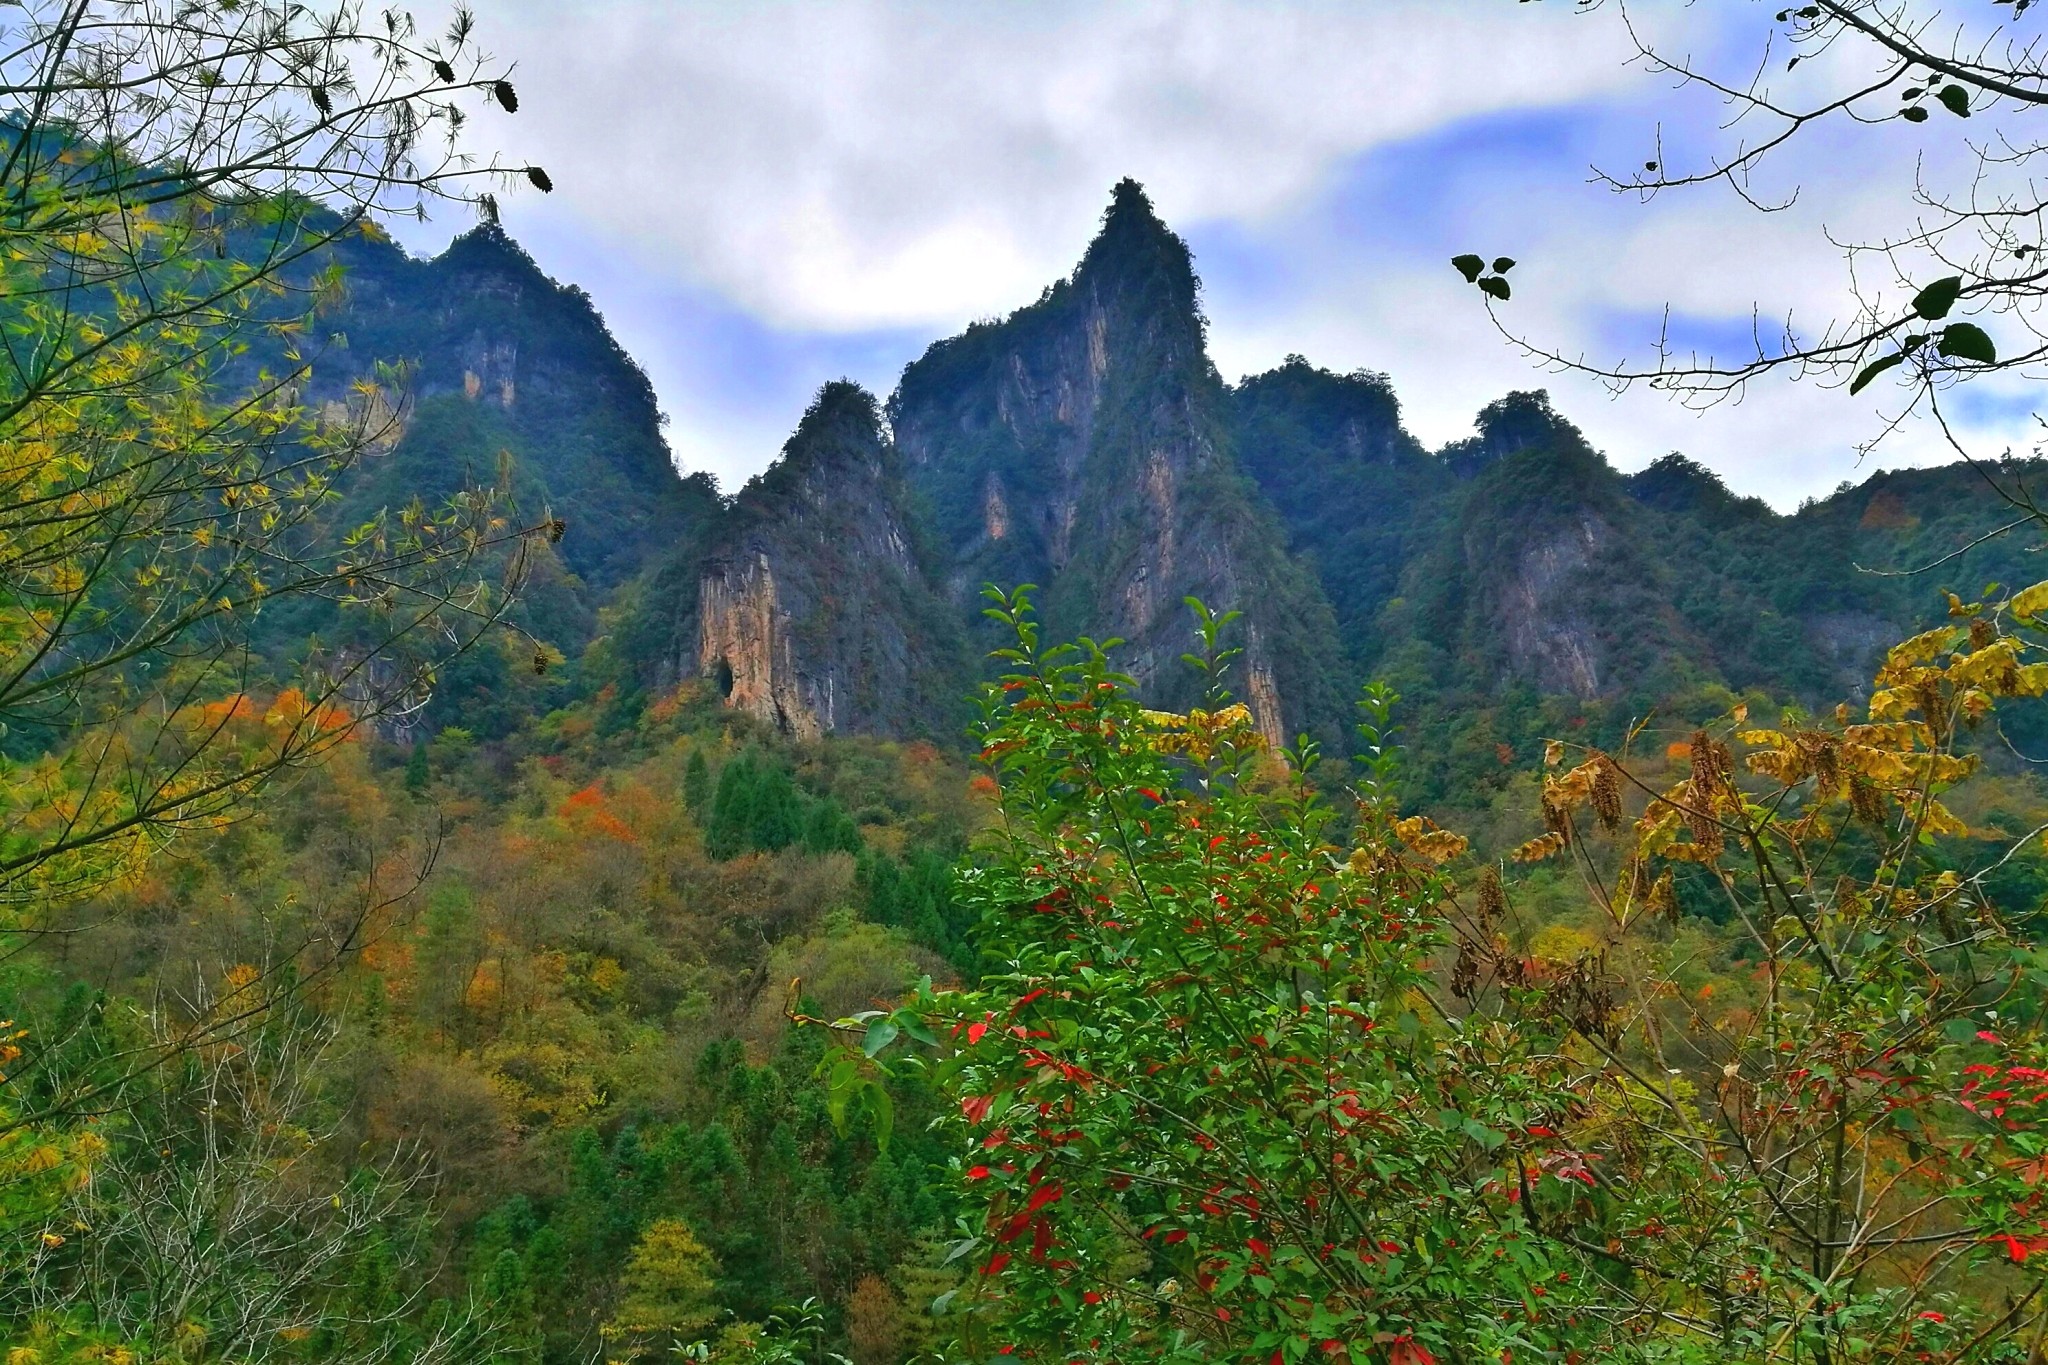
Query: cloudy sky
x=762, y=196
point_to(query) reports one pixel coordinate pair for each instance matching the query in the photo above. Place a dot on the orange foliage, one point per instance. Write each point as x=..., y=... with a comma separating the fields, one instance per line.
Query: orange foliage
x=237, y=707
x=665, y=707
x=292, y=706
x=587, y=812
x=484, y=986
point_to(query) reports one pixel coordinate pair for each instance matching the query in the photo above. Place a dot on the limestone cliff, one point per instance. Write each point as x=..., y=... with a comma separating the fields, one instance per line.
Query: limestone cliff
x=516, y=362
x=1546, y=575
x=813, y=612
x=1084, y=444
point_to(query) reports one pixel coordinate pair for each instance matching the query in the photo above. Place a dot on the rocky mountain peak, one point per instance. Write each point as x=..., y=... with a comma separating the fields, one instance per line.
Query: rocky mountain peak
x=1524, y=420
x=842, y=426
x=1135, y=254
x=488, y=250
x=813, y=612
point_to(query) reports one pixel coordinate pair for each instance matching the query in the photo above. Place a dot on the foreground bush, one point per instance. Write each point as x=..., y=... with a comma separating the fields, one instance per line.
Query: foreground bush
x=1250, y=1080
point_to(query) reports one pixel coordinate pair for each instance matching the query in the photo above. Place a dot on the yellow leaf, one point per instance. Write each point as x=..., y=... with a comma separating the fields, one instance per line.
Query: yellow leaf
x=1924, y=646
x=1539, y=848
x=1938, y=820
x=1423, y=835
x=2029, y=602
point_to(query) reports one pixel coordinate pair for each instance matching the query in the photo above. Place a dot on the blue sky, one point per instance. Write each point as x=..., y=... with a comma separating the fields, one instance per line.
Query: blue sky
x=765, y=196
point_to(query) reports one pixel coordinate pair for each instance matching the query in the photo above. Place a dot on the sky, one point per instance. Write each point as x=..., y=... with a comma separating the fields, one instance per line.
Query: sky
x=764, y=196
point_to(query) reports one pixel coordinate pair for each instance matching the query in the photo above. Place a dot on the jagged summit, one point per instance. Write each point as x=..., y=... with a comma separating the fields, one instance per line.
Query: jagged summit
x=487, y=246
x=1135, y=252
x=843, y=416
x=841, y=431
x=813, y=611
x=1085, y=443
x=1507, y=426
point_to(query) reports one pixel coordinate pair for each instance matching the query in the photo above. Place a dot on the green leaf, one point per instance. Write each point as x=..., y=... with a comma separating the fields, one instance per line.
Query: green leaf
x=1955, y=99
x=880, y=1034
x=1936, y=299
x=1481, y=1134
x=1913, y=114
x=1873, y=370
x=1967, y=341
x=1503, y=264
x=1494, y=286
x=1470, y=266
x=883, y=1109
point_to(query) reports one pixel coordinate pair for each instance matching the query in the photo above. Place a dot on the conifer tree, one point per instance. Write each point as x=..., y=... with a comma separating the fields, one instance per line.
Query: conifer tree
x=726, y=835
x=696, y=783
x=776, y=821
x=416, y=772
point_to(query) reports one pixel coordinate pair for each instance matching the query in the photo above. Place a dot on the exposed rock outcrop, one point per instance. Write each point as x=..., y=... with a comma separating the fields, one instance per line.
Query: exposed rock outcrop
x=813, y=611
x=1084, y=444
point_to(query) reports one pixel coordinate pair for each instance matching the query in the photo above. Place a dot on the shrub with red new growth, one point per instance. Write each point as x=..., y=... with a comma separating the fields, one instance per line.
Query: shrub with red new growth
x=1244, y=1082
x=1208, y=1112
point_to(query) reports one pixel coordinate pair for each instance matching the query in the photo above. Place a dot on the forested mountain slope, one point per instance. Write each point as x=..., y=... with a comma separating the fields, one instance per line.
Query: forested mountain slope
x=1086, y=444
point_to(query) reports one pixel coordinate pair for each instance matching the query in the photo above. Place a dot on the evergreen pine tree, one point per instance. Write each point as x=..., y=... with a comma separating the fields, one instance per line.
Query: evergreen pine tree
x=697, y=783
x=416, y=773
x=776, y=819
x=829, y=829
x=881, y=878
x=732, y=808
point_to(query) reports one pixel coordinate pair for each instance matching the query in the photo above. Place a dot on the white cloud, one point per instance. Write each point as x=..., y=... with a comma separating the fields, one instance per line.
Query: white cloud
x=865, y=164
x=837, y=173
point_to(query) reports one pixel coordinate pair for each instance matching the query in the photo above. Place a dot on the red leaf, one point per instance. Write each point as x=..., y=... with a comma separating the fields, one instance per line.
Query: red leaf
x=2014, y=1247
x=975, y=1032
x=977, y=1173
x=1043, y=1195
x=975, y=1107
x=1406, y=1350
x=996, y=1263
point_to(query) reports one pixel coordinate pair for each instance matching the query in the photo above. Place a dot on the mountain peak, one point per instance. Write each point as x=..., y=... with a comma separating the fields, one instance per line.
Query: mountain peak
x=840, y=404
x=839, y=435
x=488, y=247
x=1135, y=248
x=1131, y=208
x=1507, y=426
